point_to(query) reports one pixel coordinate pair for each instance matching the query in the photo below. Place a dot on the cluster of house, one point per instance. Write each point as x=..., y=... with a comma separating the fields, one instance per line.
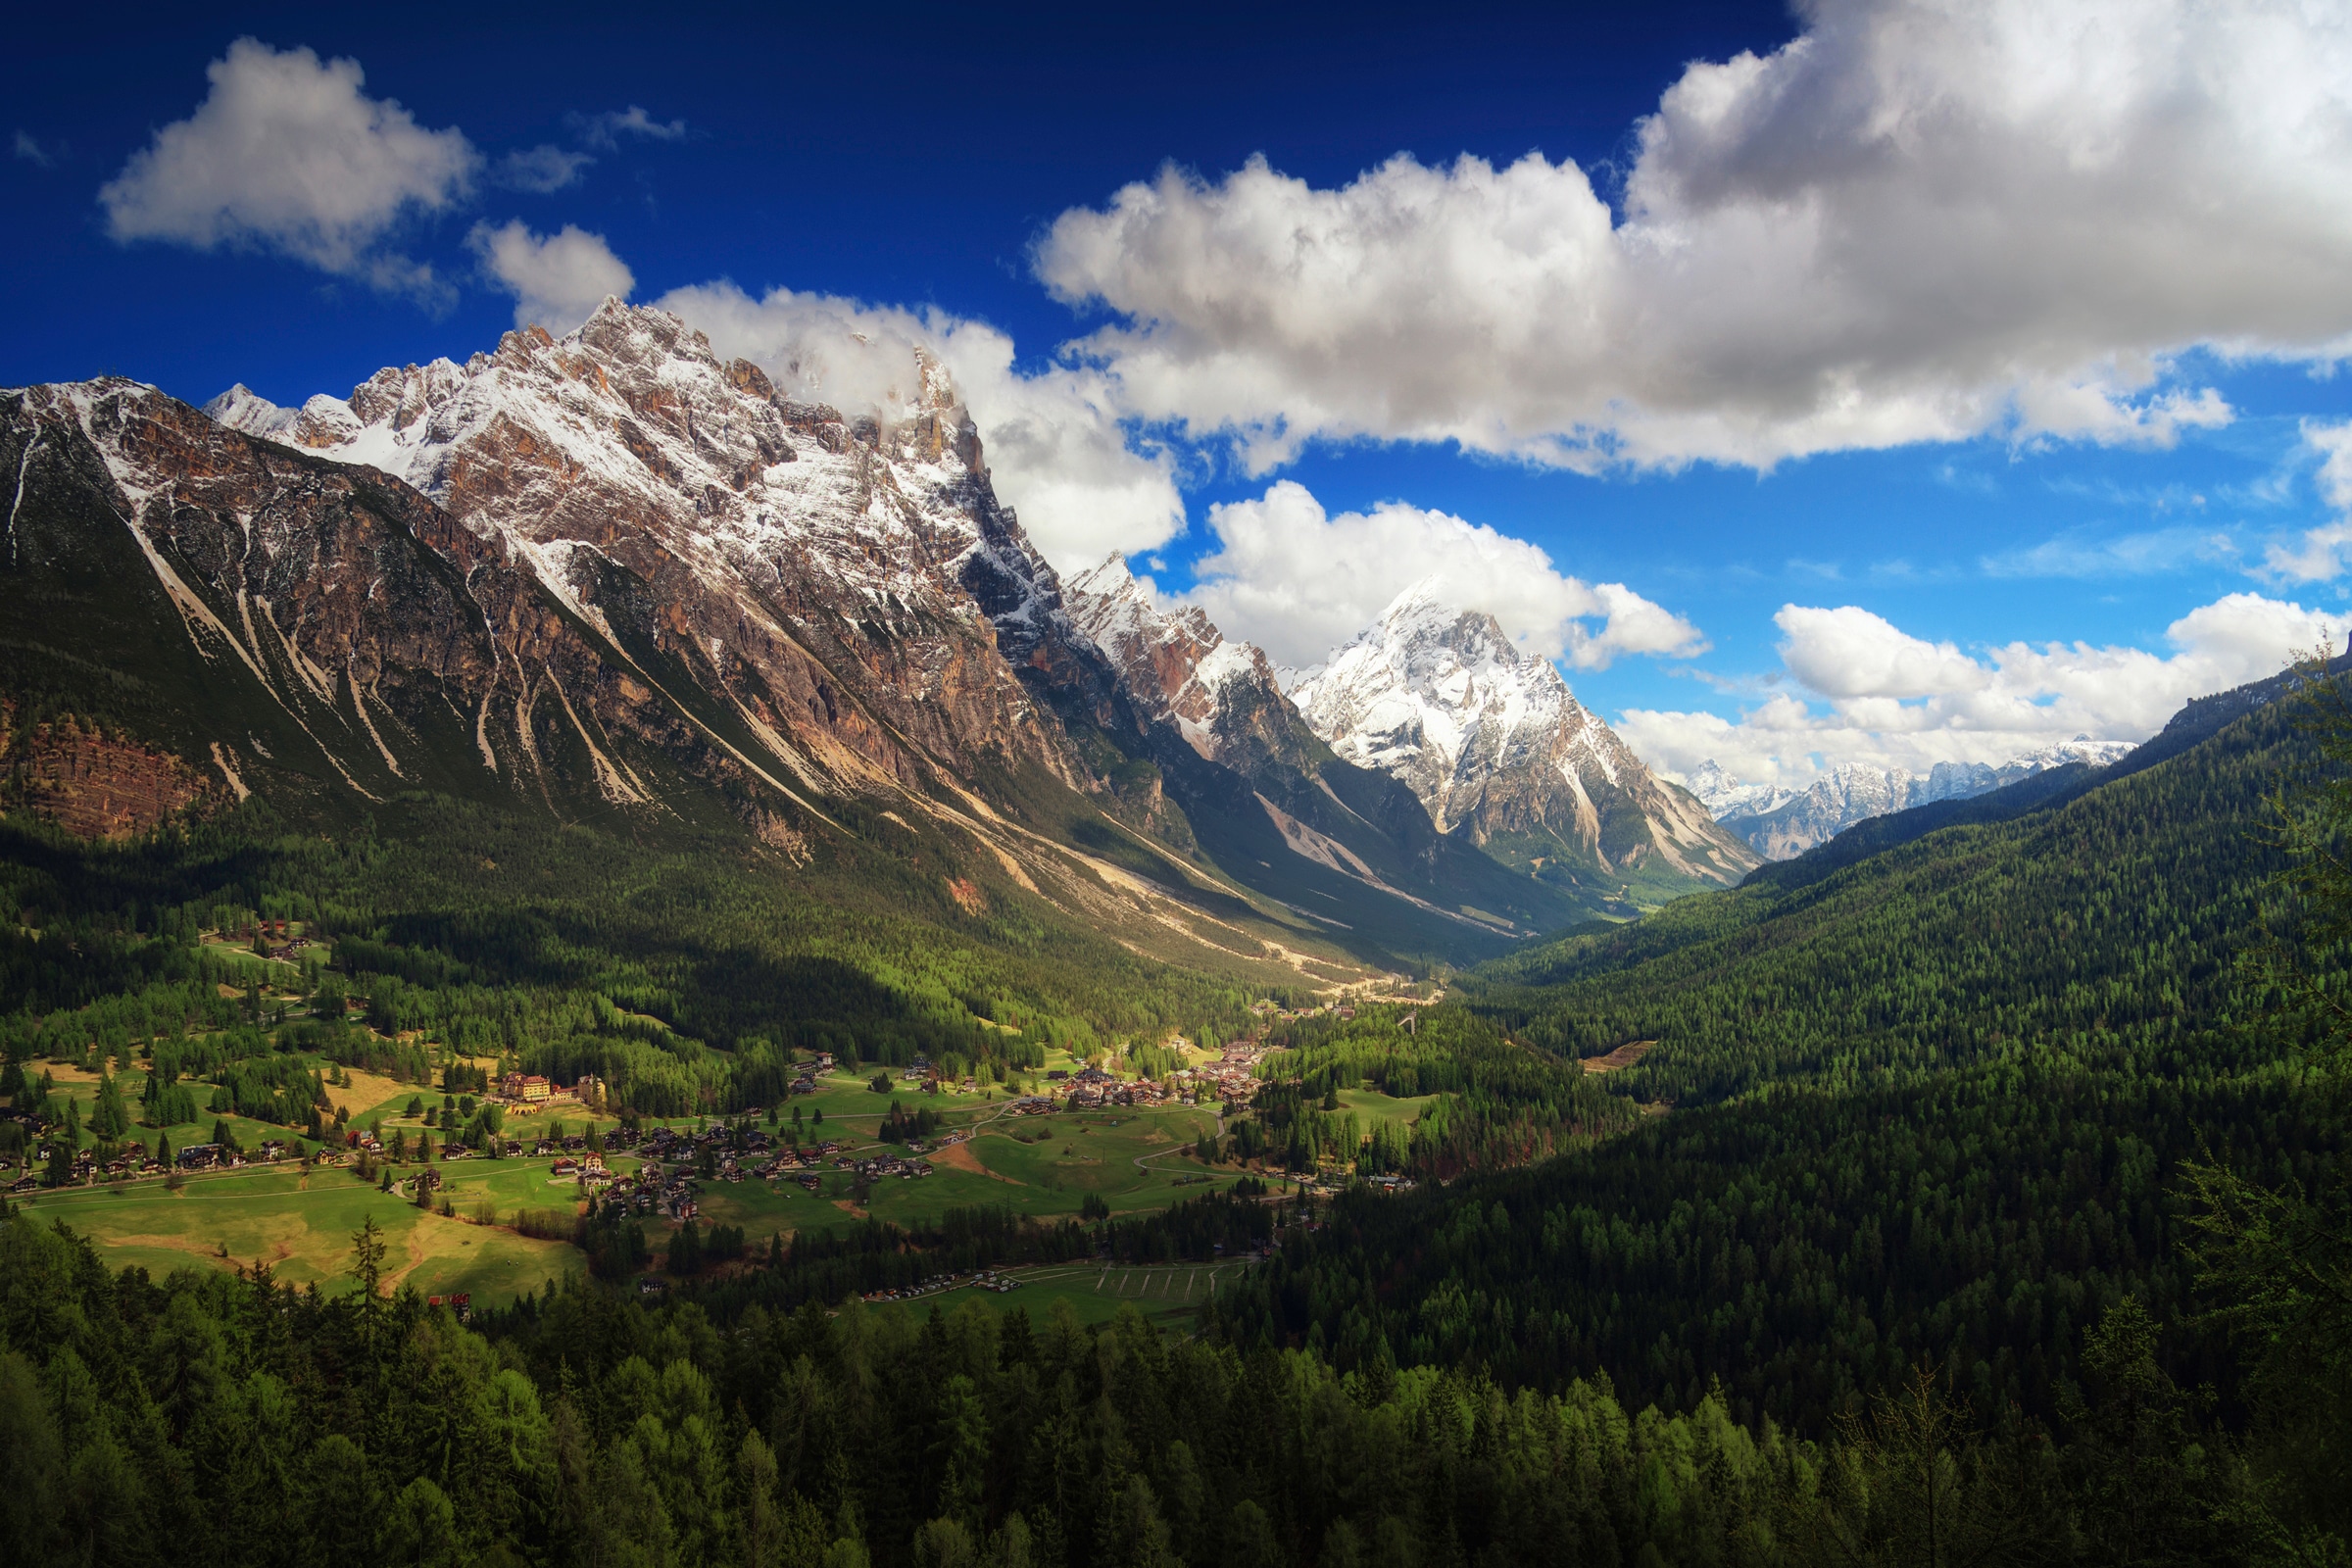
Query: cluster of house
x=811, y=1071
x=987, y=1279
x=1233, y=1078
x=875, y=1167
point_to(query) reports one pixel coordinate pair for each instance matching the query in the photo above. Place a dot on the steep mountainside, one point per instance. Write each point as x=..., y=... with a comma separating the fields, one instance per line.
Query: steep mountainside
x=813, y=576
x=242, y=617
x=1263, y=791
x=1780, y=824
x=1492, y=742
x=612, y=576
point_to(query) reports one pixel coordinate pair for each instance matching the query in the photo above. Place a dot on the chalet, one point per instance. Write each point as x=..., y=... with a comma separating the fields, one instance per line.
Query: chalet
x=200, y=1156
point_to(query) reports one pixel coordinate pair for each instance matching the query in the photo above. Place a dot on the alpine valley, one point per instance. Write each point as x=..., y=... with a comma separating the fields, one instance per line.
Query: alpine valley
x=671, y=842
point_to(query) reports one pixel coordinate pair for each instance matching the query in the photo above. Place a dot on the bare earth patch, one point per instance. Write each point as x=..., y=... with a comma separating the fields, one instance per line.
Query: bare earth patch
x=1624, y=1055
x=959, y=1156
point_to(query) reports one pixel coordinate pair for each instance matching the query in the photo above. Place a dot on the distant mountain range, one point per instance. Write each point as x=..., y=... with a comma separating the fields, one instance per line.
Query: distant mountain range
x=1780, y=824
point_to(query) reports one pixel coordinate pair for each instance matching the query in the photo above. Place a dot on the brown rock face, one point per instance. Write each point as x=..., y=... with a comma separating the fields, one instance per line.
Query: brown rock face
x=92, y=784
x=277, y=620
x=836, y=588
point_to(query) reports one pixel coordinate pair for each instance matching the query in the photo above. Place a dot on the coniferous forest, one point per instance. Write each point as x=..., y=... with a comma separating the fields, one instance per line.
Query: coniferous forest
x=1983, y=1200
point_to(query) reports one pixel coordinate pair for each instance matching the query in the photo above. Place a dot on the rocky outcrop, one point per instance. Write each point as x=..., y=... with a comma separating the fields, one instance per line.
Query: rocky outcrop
x=1495, y=746
x=1177, y=667
x=92, y=783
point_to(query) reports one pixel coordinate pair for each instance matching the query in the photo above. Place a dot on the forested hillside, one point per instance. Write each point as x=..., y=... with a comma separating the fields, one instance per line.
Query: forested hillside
x=2114, y=921
x=682, y=974
x=1966, y=1105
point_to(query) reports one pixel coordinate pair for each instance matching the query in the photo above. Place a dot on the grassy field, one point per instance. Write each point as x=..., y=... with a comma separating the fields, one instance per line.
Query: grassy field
x=1167, y=1294
x=301, y=1226
x=1371, y=1107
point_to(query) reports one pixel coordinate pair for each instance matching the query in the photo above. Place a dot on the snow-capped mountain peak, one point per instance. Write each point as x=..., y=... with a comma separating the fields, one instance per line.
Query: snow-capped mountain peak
x=785, y=539
x=1438, y=695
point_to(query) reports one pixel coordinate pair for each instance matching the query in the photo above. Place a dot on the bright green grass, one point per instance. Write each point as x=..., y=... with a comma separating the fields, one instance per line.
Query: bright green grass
x=302, y=1229
x=1371, y=1105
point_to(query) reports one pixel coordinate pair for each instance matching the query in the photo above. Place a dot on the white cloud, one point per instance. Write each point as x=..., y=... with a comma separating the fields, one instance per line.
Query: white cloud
x=605, y=130
x=32, y=152
x=2320, y=554
x=542, y=169
x=1054, y=441
x=1922, y=220
x=286, y=153
x=1297, y=581
x=558, y=281
x=1891, y=700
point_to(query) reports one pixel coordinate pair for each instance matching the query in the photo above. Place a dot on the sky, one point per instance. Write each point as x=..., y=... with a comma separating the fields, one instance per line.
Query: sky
x=1884, y=381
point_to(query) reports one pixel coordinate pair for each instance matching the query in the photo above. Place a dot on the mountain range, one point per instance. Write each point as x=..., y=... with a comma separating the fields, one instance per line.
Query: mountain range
x=613, y=577
x=1780, y=823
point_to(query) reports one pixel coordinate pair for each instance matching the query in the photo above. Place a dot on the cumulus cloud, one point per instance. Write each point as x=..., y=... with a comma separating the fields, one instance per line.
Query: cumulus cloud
x=1297, y=581
x=1889, y=699
x=1054, y=441
x=287, y=153
x=542, y=169
x=1922, y=220
x=558, y=281
x=604, y=130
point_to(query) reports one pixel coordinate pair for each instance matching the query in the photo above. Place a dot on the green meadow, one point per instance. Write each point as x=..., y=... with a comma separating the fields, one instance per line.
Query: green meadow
x=301, y=1225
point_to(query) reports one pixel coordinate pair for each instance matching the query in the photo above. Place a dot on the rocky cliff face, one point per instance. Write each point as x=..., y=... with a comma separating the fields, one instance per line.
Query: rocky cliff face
x=1177, y=667
x=284, y=623
x=91, y=783
x=1496, y=746
x=846, y=590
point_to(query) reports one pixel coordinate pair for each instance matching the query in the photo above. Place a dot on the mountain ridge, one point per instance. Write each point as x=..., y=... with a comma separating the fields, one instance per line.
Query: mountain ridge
x=1493, y=742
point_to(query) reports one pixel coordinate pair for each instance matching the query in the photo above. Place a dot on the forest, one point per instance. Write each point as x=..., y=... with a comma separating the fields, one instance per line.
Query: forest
x=1981, y=1202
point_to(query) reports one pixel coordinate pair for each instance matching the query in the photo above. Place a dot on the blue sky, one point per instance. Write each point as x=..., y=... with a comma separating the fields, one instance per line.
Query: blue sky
x=2060, y=409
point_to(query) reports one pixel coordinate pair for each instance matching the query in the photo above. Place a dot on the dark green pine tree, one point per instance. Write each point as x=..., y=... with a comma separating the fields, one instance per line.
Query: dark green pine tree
x=109, y=1119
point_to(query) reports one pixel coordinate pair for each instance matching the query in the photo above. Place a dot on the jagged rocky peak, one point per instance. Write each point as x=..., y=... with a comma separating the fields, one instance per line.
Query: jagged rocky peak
x=1175, y=663
x=849, y=583
x=1441, y=697
x=1492, y=740
x=1726, y=795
